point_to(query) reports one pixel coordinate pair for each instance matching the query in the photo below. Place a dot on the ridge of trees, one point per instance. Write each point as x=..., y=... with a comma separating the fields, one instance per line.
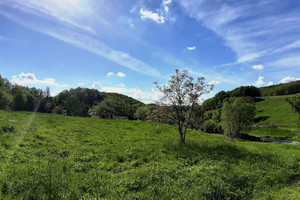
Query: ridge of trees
x=73, y=102
x=281, y=89
x=251, y=91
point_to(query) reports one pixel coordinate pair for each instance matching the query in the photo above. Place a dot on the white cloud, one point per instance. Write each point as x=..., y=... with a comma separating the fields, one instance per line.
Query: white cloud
x=80, y=84
x=165, y=5
x=260, y=81
x=147, y=14
x=213, y=82
x=270, y=83
x=191, y=48
x=30, y=79
x=110, y=74
x=258, y=67
x=97, y=85
x=289, y=79
x=121, y=74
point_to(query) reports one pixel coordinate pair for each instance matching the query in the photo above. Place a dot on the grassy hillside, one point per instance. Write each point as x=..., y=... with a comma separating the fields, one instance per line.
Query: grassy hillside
x=275, y=111
x=48, y=156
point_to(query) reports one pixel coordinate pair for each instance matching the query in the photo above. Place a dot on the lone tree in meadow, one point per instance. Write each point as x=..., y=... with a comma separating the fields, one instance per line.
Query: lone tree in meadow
x=295, y=104
x=181, y=94
x=237, y=115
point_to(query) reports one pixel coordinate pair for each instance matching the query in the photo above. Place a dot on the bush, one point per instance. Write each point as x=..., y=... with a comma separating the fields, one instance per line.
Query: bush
x=59, y=110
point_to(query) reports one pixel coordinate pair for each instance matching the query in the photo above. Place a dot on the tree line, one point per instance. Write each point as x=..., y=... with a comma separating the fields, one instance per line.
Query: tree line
x=82, y=102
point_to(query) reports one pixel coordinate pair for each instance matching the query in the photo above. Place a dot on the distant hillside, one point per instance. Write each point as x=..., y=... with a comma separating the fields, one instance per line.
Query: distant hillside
x=281, y=89
x=252, y=91
x=73, y=102
x=275, y=118
x=276, y=111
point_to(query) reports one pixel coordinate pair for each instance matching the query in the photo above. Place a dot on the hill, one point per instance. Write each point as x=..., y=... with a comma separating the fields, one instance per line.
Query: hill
x=73, y=102
x=251, y=91
x=274, y=112
x=281, y=89
x=48, y=156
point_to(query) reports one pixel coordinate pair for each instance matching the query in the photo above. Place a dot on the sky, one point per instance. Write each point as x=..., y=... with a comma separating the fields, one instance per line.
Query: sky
x=124, y=46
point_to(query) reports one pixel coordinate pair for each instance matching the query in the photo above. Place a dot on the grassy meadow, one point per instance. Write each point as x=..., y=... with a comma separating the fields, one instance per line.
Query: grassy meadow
x=275, y=111
x=47, y=156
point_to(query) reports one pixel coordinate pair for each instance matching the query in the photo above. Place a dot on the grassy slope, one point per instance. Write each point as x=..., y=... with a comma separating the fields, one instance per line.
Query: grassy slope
x=58, y=157
x=277, y=112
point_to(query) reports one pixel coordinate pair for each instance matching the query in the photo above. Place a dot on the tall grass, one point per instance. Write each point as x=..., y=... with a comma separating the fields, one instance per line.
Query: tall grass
x=63, y=157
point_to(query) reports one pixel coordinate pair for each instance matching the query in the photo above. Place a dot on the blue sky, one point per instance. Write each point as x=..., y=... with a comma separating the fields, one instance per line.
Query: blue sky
x=124, y=46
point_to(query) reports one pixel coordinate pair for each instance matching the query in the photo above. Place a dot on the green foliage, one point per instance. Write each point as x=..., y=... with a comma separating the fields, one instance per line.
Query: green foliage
x=142, y=113
x=60, y=157
x=76, y=102
x=103, y=110
x=237, y=115
x=294, y=101
x=59, y=110
x=180, y=95
x=217, y=101
x=74, y=106
x=281, y=89
x=5, y=100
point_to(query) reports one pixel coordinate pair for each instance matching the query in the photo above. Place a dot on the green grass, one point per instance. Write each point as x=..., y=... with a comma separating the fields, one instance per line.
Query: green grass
x=57, y=157
x=275, y=111
x=277, y=133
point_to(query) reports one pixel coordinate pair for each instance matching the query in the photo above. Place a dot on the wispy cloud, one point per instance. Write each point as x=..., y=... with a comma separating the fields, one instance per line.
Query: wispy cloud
x=147, y=14
x=166, y=5
x=213, y=82
x=258, y=67
x=26, y=79
x=243, y=25
x=289, y=61
x=74, y=37
x=80, y=84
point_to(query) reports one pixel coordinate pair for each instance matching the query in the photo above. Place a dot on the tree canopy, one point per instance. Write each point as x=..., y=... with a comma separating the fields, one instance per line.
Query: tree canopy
x=181, y=94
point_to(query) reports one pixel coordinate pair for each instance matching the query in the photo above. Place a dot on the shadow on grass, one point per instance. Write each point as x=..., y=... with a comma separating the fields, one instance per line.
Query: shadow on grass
x=260, y=119
x=194, y=152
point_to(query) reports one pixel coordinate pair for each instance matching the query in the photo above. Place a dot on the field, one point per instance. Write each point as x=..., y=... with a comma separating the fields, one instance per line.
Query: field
x=47, y=156
x=275, y=111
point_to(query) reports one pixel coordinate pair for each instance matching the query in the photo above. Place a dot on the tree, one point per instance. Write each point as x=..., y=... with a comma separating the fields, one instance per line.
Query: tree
x=237, y=115
x=295, y=104
x=181, y=94
x=103, y=110
x=74, y=106
x=142, y=113
x=5, y=100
